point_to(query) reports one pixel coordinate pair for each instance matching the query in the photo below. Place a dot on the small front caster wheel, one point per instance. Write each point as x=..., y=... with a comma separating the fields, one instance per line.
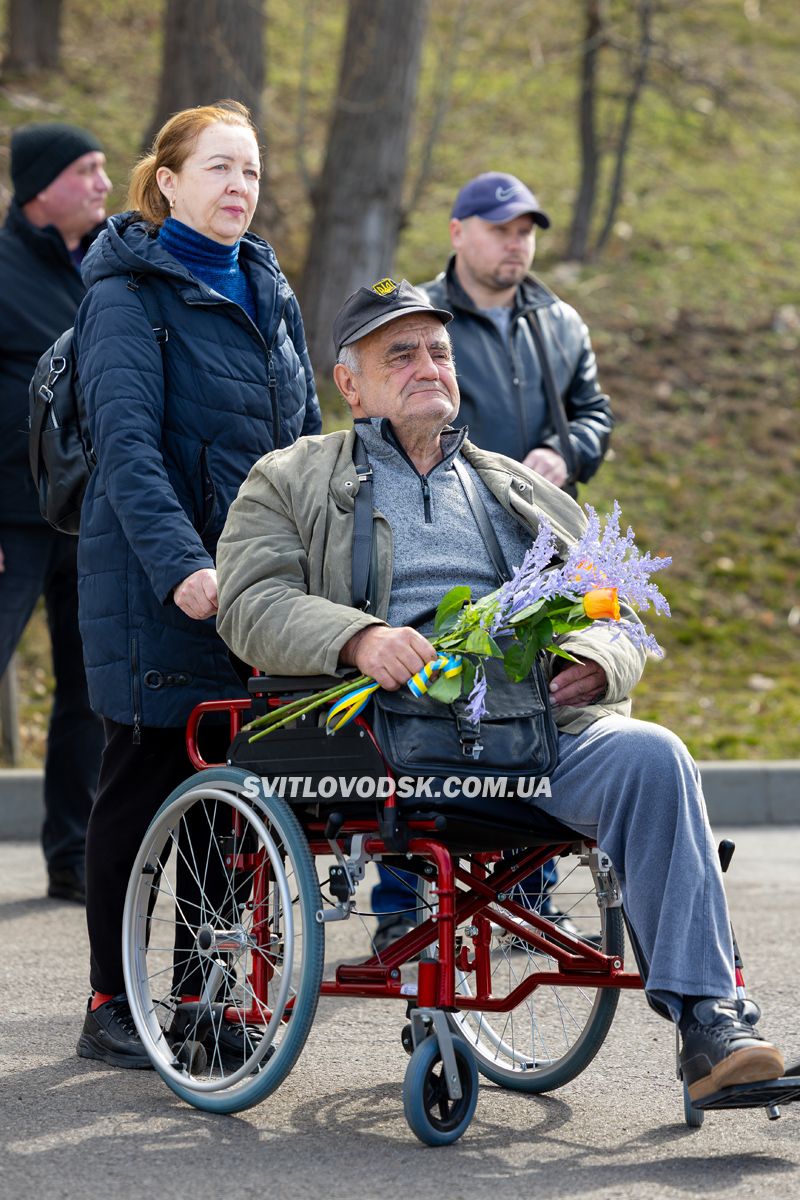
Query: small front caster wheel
x=407, y=1038
x=694, y=1116
x=433, y=1116
x=192, y=1057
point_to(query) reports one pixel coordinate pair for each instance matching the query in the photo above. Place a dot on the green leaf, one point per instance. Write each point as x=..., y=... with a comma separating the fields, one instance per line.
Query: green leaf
x=446, y=690
x=524, y=614
x=468, y=675
x=554, y=649
x=450, y=607
x=571, y=626
x=479, y=642
x=496, y=652
x=577, y=612
x=520, y=657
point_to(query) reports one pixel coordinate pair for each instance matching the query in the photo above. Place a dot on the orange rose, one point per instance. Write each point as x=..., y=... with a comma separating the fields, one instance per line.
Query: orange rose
x=602, y=604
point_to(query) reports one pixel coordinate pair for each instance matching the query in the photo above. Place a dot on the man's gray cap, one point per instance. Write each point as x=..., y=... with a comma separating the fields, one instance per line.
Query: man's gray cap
x=370, y=307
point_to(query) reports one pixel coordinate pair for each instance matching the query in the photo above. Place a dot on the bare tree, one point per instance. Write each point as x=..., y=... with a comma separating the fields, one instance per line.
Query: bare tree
x=587, y=131
x=638, y=79
x=213, y=49
x=358, y=198
x=33, y=39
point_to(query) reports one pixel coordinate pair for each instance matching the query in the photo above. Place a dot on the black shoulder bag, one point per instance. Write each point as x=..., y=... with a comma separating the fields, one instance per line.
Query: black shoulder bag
x=423, y=737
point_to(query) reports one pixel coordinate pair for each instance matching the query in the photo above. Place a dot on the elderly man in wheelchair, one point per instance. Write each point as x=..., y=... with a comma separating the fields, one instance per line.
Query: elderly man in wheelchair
x=313, y=583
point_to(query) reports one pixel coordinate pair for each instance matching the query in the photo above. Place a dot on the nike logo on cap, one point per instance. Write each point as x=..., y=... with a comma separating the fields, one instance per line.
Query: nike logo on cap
x=505, y=193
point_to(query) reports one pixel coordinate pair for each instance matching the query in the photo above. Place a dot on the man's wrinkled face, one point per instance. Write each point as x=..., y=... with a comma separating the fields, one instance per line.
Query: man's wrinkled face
x=495, y=256
x=75, y=200
x=406, y=373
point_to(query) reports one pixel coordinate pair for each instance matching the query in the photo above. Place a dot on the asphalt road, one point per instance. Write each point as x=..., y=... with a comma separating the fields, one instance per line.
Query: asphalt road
x=70, y=1128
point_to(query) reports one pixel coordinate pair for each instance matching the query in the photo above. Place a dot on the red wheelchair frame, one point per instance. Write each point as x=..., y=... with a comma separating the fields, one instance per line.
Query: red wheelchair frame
x=475, y=929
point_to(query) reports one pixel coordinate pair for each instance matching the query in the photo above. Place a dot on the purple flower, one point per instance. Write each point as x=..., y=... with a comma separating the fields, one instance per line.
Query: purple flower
x=607, y=558
x=531, y=580
x=476, y=707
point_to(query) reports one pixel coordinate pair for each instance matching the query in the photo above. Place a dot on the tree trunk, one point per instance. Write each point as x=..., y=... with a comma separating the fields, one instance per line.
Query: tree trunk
x=638, y=80
x=213, y=50
x=358, y=198
x=34, y=35
x=590, y=152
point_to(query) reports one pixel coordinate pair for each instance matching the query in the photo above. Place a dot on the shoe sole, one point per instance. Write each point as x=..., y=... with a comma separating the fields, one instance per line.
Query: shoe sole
x=757, y=1064
x=90, y=1049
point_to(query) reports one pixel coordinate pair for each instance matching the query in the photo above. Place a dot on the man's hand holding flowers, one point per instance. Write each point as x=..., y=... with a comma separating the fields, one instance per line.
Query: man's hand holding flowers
x=389, y=655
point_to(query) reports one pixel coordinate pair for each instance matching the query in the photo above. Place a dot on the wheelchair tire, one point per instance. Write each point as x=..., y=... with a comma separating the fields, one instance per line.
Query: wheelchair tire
x=553, y=1034
x=432, y=1115
x=221, y=943
x=694, y=1117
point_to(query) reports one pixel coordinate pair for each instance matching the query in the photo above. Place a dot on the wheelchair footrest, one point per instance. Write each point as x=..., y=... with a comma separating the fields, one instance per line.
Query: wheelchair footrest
x=753, y=1095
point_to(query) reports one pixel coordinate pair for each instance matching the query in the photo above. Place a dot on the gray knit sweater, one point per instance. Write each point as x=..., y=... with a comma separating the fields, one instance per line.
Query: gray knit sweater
x=436, y=541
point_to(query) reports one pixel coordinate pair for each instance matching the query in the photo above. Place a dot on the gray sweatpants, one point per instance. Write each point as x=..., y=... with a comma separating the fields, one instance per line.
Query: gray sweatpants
x=633, y=787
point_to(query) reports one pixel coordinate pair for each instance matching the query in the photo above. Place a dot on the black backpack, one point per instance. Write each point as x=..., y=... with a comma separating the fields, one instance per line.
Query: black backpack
x=59, y=446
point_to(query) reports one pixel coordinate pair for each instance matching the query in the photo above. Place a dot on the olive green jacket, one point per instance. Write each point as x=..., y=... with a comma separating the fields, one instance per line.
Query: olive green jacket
x=284, y=564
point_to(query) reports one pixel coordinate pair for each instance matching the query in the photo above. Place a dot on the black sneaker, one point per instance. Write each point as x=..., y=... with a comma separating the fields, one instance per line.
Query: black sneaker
x=233, y=1042
x=67, y=883
x=721, y=1047
x=109, y=1035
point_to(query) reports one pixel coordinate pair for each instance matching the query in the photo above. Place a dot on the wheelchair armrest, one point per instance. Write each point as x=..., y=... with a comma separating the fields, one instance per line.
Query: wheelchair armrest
x=258, y=685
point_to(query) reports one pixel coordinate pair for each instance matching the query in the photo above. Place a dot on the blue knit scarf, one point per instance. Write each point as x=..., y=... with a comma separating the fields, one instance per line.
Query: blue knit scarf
x=212, y=262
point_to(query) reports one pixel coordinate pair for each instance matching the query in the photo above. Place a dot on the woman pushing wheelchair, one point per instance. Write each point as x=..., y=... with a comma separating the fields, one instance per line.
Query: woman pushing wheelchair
x=193, y=362
x=286, y=605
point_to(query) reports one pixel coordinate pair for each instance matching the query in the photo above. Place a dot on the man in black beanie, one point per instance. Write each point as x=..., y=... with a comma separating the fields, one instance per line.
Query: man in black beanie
x=60, y=187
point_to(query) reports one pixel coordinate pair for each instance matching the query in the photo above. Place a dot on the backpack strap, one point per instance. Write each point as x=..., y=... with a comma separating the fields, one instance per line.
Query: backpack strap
x=148, y=299
x=58, y=365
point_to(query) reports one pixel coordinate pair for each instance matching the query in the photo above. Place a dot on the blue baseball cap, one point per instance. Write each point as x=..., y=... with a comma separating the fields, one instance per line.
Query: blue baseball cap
x=495, y=196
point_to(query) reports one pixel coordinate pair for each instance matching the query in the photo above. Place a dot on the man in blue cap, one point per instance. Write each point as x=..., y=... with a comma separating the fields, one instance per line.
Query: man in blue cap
x=521, y=353
x=60, y=189
x=526, y=372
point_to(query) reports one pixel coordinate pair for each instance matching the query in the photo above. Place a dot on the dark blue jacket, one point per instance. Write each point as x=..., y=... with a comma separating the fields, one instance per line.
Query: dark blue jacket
x=174, y=438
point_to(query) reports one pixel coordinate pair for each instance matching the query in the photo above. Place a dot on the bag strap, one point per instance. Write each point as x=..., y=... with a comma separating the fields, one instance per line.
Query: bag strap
x=362, y=527
x=150, y=304
x=555, y=404
x=58, y=364
x=481, y=516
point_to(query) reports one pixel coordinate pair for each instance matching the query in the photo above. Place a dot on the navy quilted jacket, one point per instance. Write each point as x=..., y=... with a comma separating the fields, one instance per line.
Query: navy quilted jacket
x=174, y=439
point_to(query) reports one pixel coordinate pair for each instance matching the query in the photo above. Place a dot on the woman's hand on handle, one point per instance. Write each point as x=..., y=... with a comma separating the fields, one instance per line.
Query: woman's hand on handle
x=197, y=595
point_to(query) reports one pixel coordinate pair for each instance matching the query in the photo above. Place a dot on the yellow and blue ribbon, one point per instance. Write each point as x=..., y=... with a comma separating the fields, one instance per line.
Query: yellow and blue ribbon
x=448, y=664
x=350, y=705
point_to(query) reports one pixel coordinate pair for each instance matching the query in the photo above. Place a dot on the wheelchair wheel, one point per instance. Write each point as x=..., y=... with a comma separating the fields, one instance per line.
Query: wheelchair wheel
x=553, y=1033
x=694, y=1117
x=221, y=943
x=432, y=1115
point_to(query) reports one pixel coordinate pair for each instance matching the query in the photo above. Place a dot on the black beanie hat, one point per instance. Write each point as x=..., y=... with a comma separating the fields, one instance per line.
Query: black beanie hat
x=40, y=152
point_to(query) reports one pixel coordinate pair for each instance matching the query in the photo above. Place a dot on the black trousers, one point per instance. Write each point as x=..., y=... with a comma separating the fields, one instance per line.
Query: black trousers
x=135, y=779
x=39, y=560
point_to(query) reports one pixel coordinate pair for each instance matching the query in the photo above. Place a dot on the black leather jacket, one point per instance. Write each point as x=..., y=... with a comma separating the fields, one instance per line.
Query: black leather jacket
x=502, y=397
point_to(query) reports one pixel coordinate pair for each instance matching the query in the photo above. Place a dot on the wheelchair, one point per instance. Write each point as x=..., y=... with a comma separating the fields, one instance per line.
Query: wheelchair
x=225, y=922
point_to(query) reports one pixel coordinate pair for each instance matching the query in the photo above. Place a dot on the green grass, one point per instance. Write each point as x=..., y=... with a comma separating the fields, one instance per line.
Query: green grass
x=681, y=308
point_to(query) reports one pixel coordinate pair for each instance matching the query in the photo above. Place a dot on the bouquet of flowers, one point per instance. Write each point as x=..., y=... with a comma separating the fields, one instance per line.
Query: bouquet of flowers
x=537, y=606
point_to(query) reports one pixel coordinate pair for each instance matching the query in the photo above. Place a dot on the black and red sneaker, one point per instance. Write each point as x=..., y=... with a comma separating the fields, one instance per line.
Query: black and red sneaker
x=109, y=1035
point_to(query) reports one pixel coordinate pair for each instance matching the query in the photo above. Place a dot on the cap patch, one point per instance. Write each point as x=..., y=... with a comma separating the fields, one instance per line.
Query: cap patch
x=384, y=287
